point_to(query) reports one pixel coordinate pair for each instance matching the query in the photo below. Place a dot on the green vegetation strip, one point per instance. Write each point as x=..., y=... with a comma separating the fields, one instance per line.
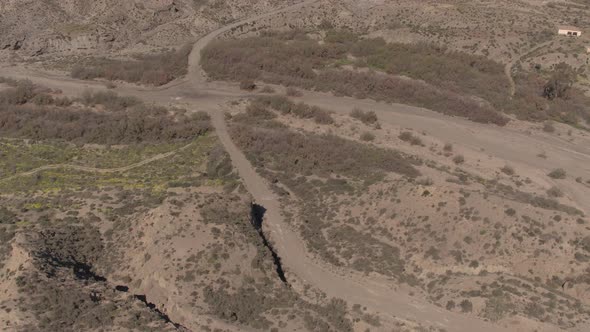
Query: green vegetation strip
x=182, y=168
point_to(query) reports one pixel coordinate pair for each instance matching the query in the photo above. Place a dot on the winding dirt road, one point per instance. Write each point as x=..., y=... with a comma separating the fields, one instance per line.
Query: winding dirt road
x=374, y=293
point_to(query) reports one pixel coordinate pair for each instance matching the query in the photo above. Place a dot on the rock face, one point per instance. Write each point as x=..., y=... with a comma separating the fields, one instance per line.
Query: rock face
x=95, y=26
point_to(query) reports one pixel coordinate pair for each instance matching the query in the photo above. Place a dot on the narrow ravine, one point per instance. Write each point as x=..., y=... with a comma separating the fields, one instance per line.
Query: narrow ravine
x=84, y=272
x=257, y=217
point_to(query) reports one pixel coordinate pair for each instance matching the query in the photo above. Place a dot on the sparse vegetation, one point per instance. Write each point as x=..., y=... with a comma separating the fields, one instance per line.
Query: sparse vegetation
x=368, y=117
x=407, y=136
x=256, y=58
x=300, y=110
x=292, y=92
x=367, y=136
x=554, y=192
x=548, y=127
x=247, y=85
x=508, y=170
x=126, y=120
x=155, y=69
x=558, y=173
x=459, y=159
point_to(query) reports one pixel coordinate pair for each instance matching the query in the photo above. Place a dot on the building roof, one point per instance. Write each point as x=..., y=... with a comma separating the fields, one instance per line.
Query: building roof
x=569, y=27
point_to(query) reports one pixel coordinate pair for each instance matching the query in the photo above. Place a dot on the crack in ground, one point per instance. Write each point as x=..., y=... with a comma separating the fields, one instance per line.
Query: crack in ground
x=257, y=216
x=83, y=271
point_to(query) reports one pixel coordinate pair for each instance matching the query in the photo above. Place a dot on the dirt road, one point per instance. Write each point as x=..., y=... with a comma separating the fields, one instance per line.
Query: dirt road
x=374, y=293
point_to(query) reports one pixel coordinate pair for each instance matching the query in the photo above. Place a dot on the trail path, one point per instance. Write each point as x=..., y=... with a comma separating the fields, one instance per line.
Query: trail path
x=97, y=170
x=377, y=294
x=510, y=65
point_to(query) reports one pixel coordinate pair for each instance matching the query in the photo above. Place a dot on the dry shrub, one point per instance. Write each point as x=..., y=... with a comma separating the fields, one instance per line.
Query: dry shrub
x=459, y=159
x=295, y=153
x=267, y=89
x=292, y=92
x=407, y=136
x=124, y=120
x=367, y=137
x=368, y=117
x=156, y=69
x=558, y=173
x=445, y=81
x=293, y=60
x=554, y=192
x=548, y=127
x=300, y=110
x=247, y=85
x=508, y=170
x=21, y=93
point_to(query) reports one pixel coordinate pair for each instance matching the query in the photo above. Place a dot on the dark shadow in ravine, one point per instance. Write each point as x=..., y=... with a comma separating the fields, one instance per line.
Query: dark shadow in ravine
x=257, y=217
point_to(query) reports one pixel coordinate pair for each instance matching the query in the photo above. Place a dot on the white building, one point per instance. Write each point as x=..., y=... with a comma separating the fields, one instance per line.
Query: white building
x=569, y=31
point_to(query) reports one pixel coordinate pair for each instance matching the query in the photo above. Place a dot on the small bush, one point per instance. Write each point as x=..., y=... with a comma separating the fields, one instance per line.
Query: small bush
x=247, y=85
x=558, y=173
x=548, y=127
x=368, y=117
x=554, y=192
x=450, y=305
x=459, y=159
x=425, y=181
x=508, y=170
x=407, y=136
x=42, y=99
x=367, y=137
x=300, y=110
x=267, y=89
x=466, y=306
x=510, y=212
x=448, y=147
x=8, y=81
x=19, y=95
x=292, y=92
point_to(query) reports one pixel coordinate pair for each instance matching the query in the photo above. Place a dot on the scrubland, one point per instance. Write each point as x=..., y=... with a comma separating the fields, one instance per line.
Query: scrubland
x=426, y=75
x=483, y=245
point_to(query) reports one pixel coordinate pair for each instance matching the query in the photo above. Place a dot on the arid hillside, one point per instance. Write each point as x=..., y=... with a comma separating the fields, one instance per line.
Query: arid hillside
x=315, y=165
x=94, y=27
